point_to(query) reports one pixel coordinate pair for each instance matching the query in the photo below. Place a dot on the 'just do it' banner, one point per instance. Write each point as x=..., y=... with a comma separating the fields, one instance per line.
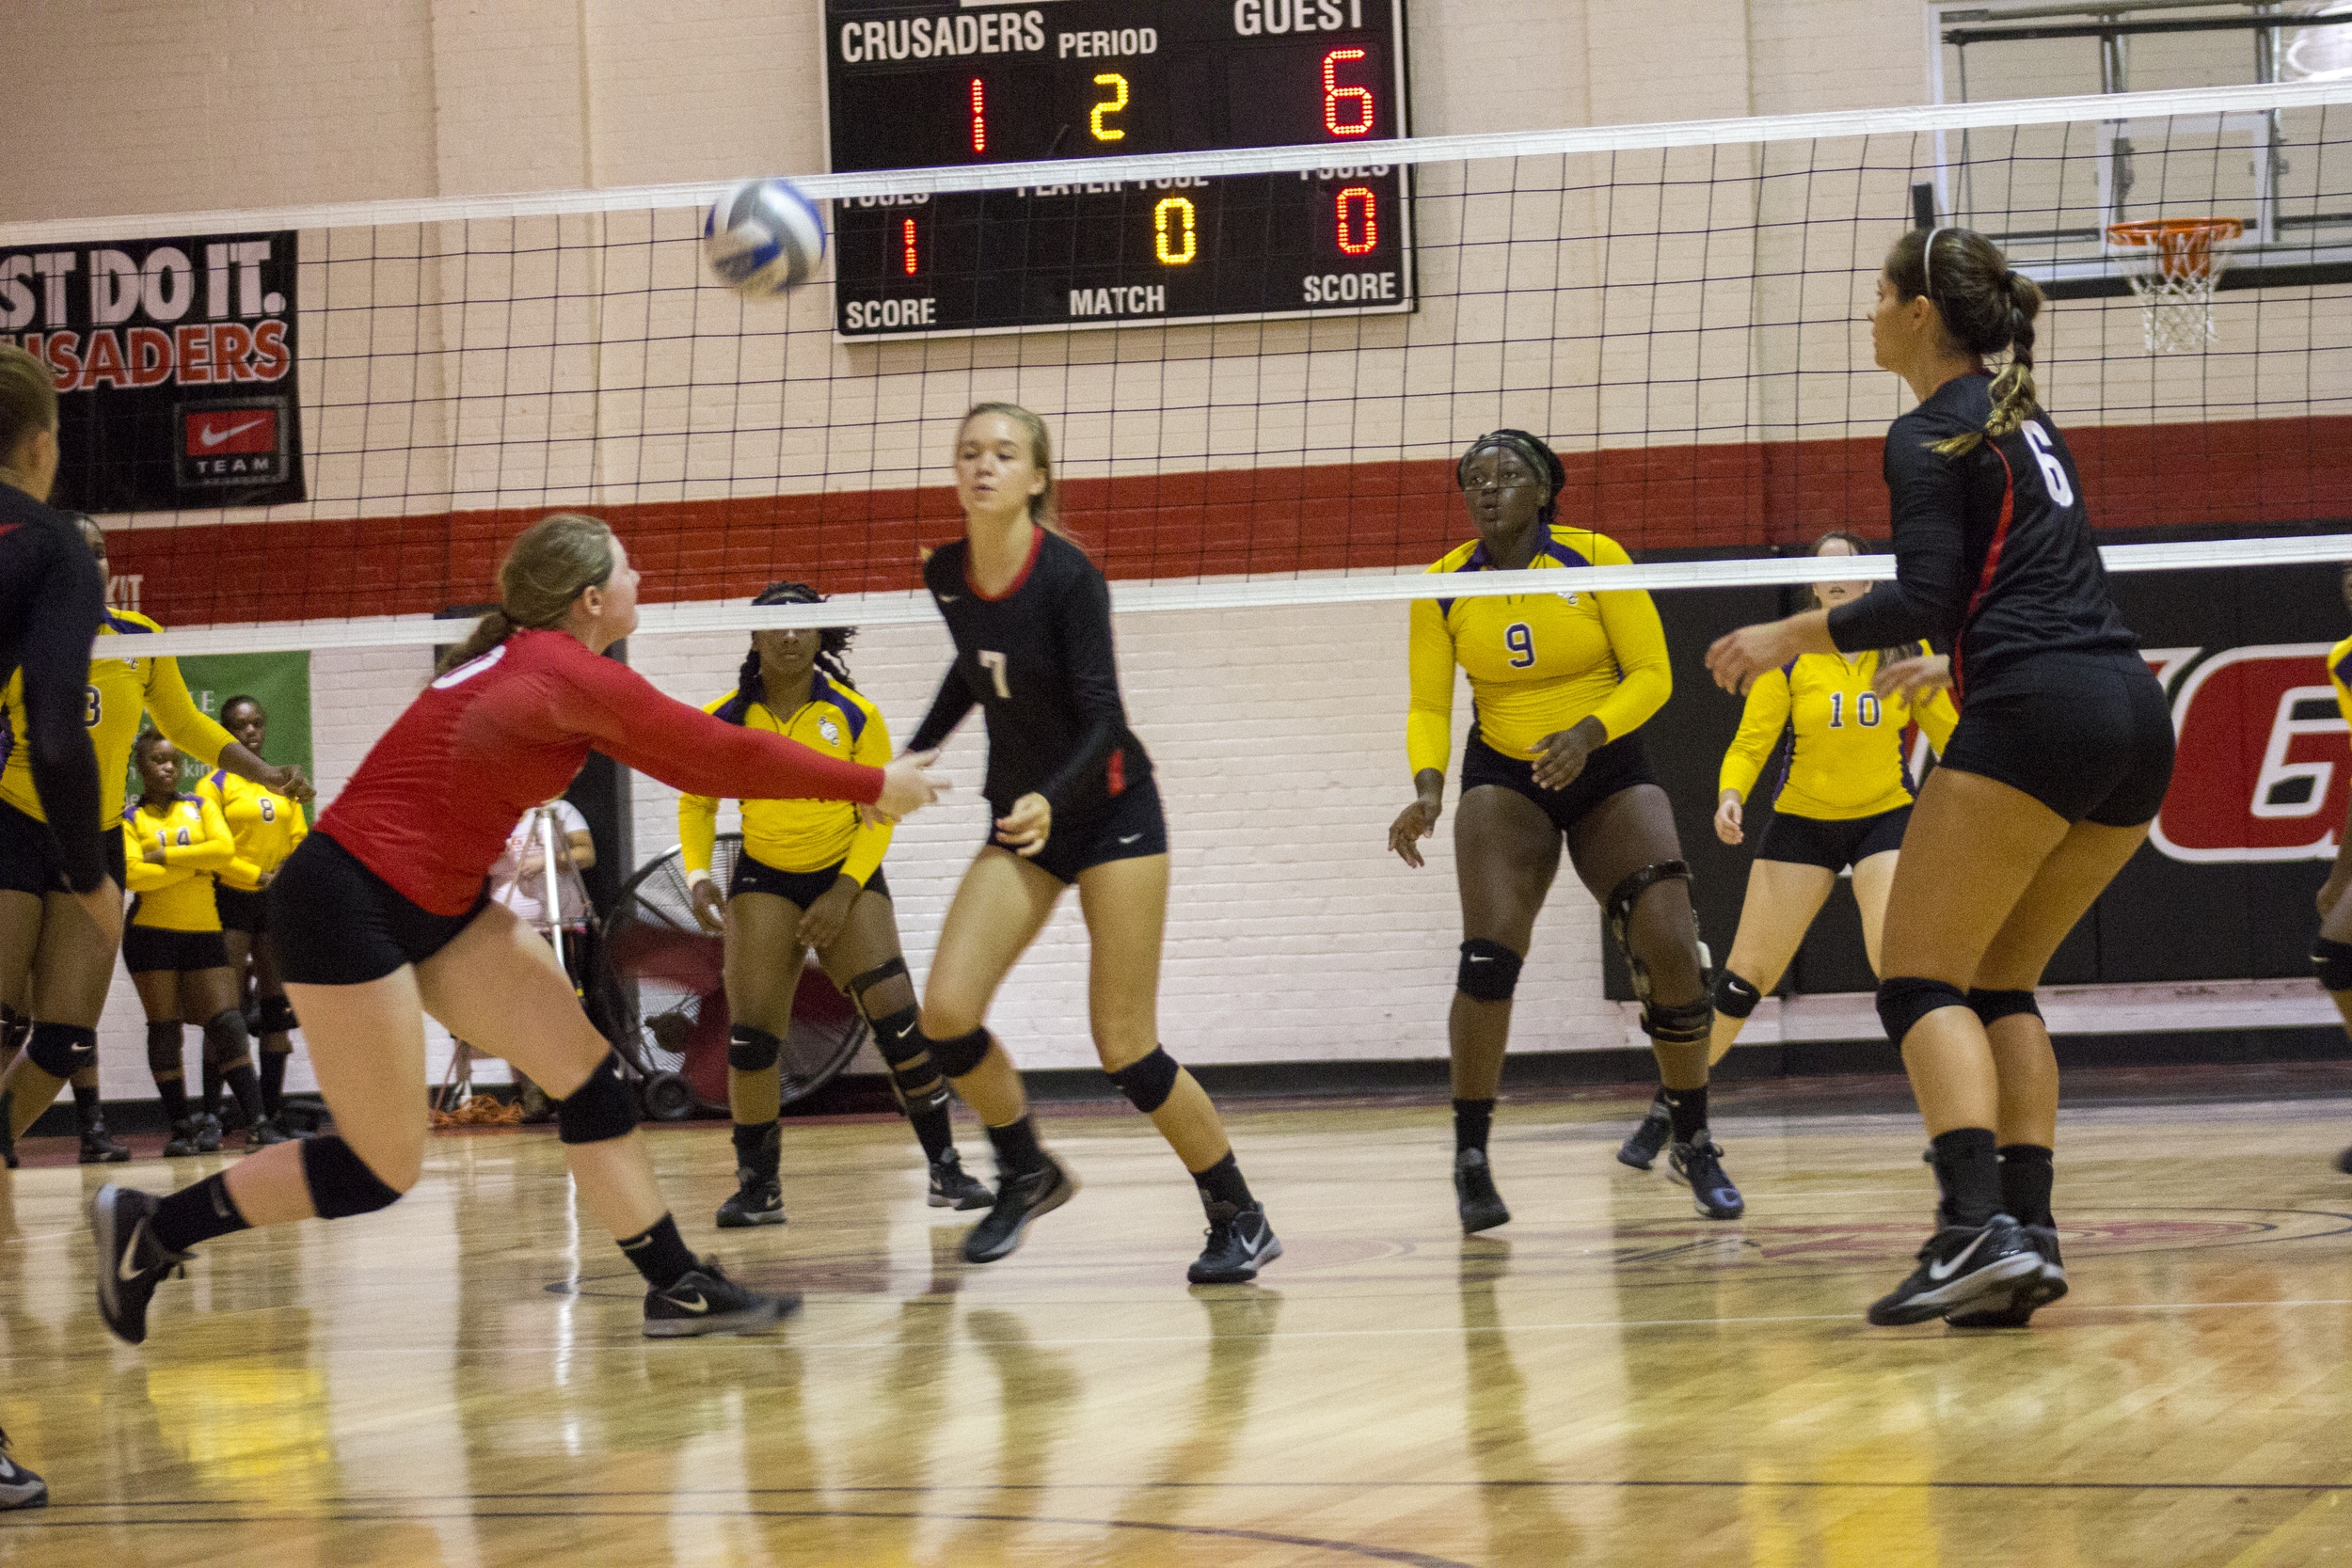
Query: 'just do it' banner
x=174, y=360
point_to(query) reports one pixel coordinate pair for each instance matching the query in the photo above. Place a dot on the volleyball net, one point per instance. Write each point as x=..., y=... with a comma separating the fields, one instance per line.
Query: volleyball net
x=1679, y=308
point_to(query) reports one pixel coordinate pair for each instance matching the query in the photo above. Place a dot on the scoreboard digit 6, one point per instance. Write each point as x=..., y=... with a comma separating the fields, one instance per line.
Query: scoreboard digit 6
x=916, y=83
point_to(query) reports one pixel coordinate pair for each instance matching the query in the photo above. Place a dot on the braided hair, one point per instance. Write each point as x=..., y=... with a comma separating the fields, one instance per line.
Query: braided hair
x=1533, y=451
x=833, y=645
x=1986, y=308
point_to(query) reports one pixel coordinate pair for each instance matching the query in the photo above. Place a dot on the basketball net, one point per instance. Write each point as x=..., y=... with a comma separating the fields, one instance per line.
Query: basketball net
x=2173, y=265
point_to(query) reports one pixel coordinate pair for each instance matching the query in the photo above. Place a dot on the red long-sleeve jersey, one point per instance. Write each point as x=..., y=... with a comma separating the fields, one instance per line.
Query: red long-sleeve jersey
x=430, y=808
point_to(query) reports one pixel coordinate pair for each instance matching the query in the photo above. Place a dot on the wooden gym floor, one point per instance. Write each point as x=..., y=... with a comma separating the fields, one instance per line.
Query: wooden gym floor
x=1608, y=1380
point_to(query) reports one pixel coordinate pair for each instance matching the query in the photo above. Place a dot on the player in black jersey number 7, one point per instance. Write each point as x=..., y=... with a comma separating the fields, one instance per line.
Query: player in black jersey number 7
x=1070, y=791
x=2052, y=776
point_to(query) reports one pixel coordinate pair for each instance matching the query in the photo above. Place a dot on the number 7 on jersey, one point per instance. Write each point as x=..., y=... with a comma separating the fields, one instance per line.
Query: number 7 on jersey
x=993, y=662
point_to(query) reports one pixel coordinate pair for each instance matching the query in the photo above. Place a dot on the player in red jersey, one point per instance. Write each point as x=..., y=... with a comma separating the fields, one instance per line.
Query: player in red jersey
x=383, y=916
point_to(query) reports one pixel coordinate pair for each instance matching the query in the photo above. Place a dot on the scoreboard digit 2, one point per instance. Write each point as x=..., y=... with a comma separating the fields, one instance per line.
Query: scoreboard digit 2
x=918, y=84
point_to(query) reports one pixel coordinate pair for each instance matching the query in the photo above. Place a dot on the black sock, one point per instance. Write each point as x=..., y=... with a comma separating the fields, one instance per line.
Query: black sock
x=758, y=1149
x=173, y=1092
x=1222, y=1182
x=1473, y=1119
x=85, y=1110
x=2026, y=1177
x=1968, y=1169
x=931, y=1129
x=274, y=1082
x=248, y=1092
x=660, y=1255
x=196, y=1214
x=212, y=1091
x=1687, y=1110
x=1017, y=1150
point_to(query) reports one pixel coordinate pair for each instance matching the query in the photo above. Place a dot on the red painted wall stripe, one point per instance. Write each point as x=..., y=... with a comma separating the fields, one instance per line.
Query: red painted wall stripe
x=1266, y=520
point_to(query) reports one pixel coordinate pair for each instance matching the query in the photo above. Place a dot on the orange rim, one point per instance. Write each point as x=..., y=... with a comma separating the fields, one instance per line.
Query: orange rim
x=2183, y=245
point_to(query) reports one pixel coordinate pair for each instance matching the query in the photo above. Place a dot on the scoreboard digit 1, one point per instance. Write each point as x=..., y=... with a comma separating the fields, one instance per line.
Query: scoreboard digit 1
x=918, y=84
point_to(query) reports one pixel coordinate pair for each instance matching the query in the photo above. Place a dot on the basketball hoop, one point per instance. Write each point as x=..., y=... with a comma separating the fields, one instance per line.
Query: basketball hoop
x=2173, y=265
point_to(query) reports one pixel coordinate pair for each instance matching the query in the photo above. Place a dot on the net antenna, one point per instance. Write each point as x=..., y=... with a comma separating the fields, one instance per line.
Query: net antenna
x=2173, y=265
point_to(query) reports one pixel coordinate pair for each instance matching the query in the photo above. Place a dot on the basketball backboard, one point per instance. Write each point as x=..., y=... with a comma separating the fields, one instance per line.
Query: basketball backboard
x=2049, y=193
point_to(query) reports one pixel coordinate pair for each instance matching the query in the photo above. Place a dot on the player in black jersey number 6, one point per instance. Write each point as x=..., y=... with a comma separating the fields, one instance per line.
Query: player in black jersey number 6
x=2058, y=762
x=1070, y=791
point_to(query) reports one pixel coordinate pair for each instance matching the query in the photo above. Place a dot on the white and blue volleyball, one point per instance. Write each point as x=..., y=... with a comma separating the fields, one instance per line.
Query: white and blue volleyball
x=763, y=237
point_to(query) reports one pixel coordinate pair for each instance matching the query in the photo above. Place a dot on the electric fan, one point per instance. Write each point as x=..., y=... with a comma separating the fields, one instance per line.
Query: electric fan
x=670, y=1003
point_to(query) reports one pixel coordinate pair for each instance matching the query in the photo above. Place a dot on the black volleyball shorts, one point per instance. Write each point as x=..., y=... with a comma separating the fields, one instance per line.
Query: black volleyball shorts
x=2090, y=736
x=332, y=921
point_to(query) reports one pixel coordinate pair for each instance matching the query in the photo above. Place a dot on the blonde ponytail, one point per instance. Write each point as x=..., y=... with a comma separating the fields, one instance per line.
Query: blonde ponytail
x=549, y=566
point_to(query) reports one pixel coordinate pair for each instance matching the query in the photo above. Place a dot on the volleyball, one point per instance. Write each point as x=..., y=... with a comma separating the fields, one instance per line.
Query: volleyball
x=763, y=237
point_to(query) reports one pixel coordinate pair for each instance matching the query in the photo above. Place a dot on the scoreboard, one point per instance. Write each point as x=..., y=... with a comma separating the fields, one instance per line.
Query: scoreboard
x=918, y=84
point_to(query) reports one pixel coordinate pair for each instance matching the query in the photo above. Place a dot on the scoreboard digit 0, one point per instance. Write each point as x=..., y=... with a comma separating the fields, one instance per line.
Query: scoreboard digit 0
x=918, y=84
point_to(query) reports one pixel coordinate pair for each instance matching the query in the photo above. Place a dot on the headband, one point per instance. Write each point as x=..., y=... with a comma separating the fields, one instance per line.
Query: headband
x=1927, y=263
x=1537, y=456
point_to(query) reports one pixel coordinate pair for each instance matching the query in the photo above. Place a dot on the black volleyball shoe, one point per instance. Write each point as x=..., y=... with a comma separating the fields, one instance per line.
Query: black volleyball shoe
x=19, y=1486
x=1655, y=1132
x=1699, y=1165
x=1240, y=1243
x=953, y=1187
x=99, y=1148
x=1018, y=1200
x=1961, y=1267
x=705, y=1301
x=2028, y=1296
x=1475, y=1196
x=758, y=1200
x=131, y=1261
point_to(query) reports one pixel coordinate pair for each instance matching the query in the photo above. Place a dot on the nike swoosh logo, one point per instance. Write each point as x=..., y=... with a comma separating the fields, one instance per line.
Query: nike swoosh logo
x=949, y=598
x=1942, y=1272
x=1480, y=959
x=1131, y=838
x=124, y=1271
x=210, y=437
x=696, y=1305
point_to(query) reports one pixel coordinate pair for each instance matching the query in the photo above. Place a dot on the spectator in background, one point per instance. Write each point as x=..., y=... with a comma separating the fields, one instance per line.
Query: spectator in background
x=518, y=879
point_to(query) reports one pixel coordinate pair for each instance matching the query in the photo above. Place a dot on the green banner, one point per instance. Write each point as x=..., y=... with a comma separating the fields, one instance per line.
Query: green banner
x=279, y=682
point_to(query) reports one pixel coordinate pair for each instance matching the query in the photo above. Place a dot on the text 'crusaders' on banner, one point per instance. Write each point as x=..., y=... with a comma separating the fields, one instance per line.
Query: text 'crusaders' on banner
x=175, y=368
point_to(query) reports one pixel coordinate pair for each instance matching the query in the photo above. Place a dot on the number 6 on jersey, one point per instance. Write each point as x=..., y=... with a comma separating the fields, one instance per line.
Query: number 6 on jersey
x=993, y=662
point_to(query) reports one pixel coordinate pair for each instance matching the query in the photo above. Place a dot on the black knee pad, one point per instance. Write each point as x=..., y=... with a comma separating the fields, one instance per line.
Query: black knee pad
x=340, y=1182
x=600, y=1110
x=887, y=970
x=1686, y=1024
x=2333, y=963
x=1734, y=996
x=1617, y=910
x=750, y=1050
x=1488, y=971
x=62, y=1050
x=15, y=1028
x=226, y=1042
x=914, y=1076
x=1905, y=1001
x=1994, y=1006
x=276, y=1016
x=1148, y=1082
x=955, y=1057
